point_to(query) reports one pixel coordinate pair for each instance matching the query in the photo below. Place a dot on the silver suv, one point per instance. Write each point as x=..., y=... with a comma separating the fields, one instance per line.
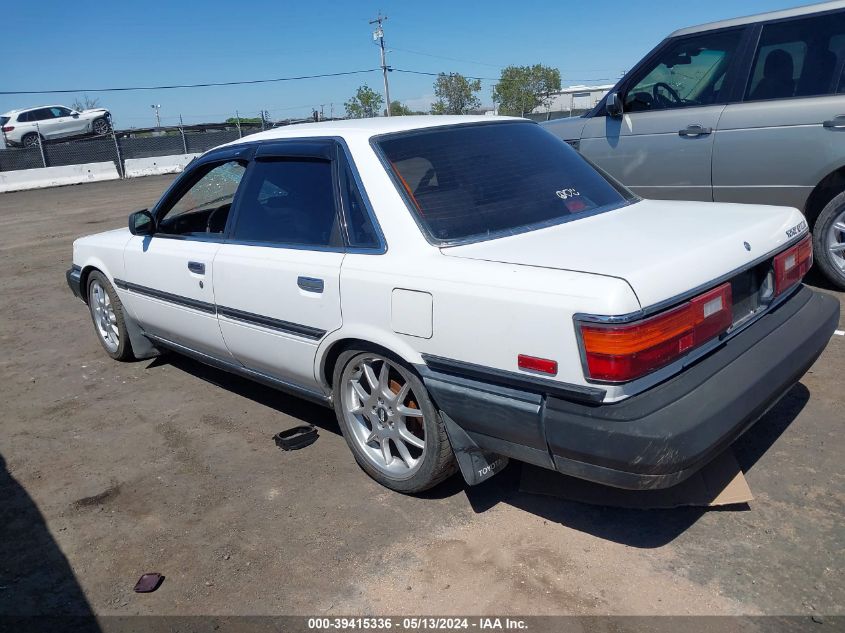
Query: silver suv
x=744, y=110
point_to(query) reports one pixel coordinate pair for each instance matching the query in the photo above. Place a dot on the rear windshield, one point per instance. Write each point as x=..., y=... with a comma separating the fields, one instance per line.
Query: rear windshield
x=4, y=120
x=471, y=182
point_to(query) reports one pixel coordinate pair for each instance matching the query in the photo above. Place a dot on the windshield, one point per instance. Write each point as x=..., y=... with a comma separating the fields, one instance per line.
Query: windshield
x=471, y=182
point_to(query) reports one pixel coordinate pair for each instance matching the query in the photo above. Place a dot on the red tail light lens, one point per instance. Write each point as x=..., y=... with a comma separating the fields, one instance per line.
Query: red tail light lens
x=619, y=353
x=792, y=264
x=8, y=128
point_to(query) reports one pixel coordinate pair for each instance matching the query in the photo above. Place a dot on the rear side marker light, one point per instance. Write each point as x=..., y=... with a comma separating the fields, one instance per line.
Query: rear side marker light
x=791, y=265
x=532, y=363
x=619, y=353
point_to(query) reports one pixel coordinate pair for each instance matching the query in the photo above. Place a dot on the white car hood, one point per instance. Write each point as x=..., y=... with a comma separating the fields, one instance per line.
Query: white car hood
x=661, y=248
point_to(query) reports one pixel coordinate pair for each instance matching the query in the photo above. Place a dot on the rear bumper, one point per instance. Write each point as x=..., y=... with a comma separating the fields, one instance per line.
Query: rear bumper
x=74, y=280
x=659, y=437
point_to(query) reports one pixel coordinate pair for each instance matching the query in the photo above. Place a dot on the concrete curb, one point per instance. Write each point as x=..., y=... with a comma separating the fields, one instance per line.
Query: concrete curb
x=157, y=165
x=56, y=176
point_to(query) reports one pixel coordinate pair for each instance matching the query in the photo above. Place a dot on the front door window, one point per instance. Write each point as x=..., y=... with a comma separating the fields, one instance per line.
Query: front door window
x=691, y=71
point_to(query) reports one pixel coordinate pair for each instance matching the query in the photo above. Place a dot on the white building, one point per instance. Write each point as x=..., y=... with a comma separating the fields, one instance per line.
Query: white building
x=577, y=98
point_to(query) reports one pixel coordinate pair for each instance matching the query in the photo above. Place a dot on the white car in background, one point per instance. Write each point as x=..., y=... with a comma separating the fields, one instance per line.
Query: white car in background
x=463, y=290
x=21, y=128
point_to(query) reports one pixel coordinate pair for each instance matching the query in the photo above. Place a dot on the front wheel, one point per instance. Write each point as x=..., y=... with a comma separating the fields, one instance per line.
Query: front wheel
x=390, y=422
x=101, y=126
x=829, y=241
x=107, y=315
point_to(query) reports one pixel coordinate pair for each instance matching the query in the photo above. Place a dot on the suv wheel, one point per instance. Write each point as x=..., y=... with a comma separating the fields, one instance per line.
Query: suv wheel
x=101, y=126
x=30, y=140
x=829, y=241
x=390, y=422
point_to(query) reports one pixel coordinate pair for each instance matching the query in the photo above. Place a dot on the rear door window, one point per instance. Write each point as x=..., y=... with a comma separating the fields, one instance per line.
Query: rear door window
x=798, y=58
x=478, y=181
x=289, y=202
x=690, y=71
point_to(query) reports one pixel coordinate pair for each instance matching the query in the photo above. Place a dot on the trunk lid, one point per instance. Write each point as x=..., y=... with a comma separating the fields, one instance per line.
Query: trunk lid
x=661, y=248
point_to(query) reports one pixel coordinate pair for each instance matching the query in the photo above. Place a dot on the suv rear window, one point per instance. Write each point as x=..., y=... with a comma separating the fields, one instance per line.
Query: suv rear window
x=4, y=120
x=472, y=182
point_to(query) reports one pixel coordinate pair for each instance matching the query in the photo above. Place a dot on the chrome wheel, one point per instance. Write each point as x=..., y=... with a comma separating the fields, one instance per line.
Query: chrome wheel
x=104, y=317
x=384, y=415
x=836, y=241
x=101, y=127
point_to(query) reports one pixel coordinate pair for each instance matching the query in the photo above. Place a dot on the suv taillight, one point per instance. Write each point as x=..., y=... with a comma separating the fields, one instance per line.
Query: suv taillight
x=792, y=264
x=623, y=352
x=8, y=128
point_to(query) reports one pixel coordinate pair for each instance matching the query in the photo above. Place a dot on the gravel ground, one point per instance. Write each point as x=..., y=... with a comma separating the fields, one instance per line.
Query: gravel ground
x=109, y=470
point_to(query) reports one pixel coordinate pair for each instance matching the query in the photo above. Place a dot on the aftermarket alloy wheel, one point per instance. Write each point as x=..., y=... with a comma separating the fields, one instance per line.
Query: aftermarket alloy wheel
x=107, y=315
x=829, y=241
x=390, y=423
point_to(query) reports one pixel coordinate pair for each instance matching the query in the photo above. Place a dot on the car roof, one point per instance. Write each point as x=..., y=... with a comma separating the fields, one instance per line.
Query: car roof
x=19, y=110
x=369, y=127
x=808, y=9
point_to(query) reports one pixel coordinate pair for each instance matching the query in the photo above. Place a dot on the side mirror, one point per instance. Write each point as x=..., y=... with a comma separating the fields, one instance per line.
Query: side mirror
x=613, y=105
x=142, y=223
x=75, y=115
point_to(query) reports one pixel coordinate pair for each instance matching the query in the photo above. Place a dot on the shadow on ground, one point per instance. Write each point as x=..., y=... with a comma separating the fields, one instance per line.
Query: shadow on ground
x=634, y=527
x=35, y=577
x=301, y=409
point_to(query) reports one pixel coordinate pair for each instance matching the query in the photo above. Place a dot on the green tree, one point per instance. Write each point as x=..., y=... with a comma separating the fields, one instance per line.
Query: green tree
x=233, y=120
x=455, y=94
x=366, y=103
x=400, y=109
x=523, y=88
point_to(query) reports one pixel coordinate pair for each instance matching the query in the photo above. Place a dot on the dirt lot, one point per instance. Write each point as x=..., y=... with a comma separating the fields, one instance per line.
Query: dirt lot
x=115, y=469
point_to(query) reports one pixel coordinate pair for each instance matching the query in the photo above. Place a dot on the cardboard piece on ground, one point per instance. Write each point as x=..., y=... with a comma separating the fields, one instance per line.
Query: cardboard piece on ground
x=719, y=483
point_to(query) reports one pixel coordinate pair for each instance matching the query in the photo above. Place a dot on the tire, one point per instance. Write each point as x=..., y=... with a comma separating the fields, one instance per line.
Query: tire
x=108, y=317
x=30, y=139
x=370, y=415
x=829, y=241
x=100, y=126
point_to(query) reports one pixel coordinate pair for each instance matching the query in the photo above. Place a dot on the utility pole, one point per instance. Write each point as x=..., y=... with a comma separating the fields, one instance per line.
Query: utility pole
x=157, y=107
x=378, y=36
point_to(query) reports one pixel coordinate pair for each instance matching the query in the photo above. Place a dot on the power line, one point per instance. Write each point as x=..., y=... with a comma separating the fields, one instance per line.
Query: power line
x=496, y=79
x=385, y=69
x=171, y=87
x=451, y=59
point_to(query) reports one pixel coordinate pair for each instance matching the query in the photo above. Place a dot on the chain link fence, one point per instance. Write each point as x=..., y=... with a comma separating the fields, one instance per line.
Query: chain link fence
x=118, y=146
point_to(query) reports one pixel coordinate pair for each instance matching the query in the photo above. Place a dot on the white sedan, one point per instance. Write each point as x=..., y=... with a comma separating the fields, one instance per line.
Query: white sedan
x=463, y=290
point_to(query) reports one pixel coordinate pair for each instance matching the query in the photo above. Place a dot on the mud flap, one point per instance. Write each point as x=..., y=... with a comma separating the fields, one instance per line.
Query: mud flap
x=142, y=347
x=476, y=463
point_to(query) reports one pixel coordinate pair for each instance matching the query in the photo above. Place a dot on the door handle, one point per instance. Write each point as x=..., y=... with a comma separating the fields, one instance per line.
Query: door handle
x=310, y=284
x=695, y=130
x=836, y=123
x=196, y=267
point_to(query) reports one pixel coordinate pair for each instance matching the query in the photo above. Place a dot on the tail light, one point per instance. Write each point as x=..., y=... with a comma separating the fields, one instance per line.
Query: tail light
x=8, y=128
x=792, y=264
x=623, y=352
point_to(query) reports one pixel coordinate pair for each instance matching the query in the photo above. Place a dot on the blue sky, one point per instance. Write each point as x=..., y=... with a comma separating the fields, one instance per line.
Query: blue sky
x=92, y=44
